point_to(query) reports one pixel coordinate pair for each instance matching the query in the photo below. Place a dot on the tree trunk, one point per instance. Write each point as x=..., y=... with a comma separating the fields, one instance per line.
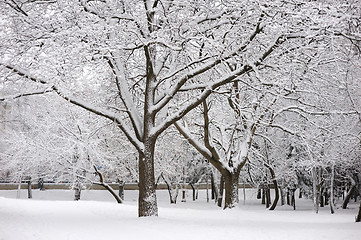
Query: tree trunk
x=121, y=189
x=293, y=199
x=282, y=196
x=193, y=192
x=332, y=207
x=316, y=188
x=197, y=191
x=358, y=217
x=288, y=197
x=147, y=202
x=107, y=186
x=231, y=189
x=19, y=188
x=213, y=188
x=259, y=193
x=172, y=190
x=275, y=184
x=30, y=195
x=349, y=193
x=183, y=195
x=207, y=191
x=327, y=197
x=41, y=184
x=221, y=189
x=77, y=193
x=322, y=199
x=348, y=197
x=263, y=195
x=268, y=196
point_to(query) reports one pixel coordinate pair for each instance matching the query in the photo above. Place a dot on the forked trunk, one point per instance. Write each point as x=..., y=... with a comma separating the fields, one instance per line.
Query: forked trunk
x=147, y=202
x=349, y=194
x=231, y=189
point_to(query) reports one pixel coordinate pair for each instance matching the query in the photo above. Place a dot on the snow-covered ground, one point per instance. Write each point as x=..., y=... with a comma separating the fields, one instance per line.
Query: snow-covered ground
x=52, y=215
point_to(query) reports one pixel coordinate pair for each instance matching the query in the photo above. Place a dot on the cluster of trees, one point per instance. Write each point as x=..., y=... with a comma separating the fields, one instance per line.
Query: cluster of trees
x=141, y=89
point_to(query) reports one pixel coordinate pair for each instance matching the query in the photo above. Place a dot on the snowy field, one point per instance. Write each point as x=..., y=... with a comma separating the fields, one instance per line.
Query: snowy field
x=52, y=215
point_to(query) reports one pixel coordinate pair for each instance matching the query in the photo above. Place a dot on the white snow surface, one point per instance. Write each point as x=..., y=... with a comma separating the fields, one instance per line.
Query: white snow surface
x=52, y=215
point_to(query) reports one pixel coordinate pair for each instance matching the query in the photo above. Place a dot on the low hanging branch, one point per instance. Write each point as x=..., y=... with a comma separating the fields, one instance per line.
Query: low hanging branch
x=105, y=185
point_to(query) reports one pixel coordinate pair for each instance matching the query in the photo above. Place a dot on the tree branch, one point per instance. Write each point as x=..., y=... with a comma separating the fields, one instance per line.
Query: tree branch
x=100, y=112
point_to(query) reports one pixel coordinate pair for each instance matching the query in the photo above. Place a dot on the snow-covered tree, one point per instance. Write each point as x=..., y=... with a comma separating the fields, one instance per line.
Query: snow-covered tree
x=149, y=63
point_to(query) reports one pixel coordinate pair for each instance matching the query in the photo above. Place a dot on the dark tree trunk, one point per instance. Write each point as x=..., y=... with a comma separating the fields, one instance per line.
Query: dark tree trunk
x=231, y=189
x=327, y=197
x=275, y=185
x=322, y=202
x=348, y=197
x=30, y=194
x=77, y=193
x=293, y=199
x=259, y=193
x=197, y=191
x=221, y=189
x=121, y=189
x=41, y=184
x=193, y=192
x=147, y=202
x=263, y=195
x=183, y=195
x=213, y=187
x=300, y=193
x=268, y=196
x=288, y=197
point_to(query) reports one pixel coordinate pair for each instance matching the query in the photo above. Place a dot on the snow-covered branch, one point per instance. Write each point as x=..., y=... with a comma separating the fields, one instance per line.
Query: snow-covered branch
x=100, y=112
x=25, y=94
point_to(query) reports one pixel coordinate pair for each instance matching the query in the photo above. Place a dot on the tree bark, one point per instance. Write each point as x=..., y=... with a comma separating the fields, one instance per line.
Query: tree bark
x=231, y=189
x=221, y=190
x=147, y=202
